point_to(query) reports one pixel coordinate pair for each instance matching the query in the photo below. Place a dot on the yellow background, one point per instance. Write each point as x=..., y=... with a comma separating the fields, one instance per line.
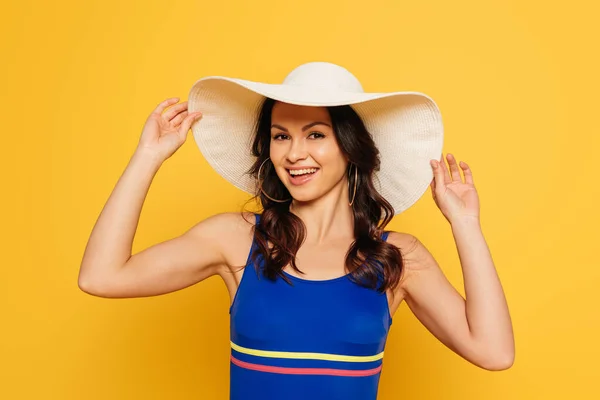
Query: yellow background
x=517, y=85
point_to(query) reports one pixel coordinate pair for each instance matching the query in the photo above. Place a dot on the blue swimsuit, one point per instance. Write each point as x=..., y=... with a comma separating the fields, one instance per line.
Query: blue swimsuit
x=311, y=340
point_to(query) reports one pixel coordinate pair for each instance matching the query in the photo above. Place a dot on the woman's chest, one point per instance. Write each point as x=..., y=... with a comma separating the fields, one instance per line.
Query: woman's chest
x=336, y=311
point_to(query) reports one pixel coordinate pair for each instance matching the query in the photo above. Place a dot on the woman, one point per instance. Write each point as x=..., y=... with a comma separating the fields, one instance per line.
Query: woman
x=314, y=280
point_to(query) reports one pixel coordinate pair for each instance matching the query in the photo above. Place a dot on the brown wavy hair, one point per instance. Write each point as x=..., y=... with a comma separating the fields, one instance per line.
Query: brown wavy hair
x=371, y=261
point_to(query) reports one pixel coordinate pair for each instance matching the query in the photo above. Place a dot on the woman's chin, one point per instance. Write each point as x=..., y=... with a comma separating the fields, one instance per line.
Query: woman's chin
x=302, y=196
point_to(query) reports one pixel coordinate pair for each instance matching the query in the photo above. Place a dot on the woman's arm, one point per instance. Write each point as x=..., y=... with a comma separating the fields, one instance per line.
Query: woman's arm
x=486, y=307
x=108, y=268
x=479, y=328
x=110, y=243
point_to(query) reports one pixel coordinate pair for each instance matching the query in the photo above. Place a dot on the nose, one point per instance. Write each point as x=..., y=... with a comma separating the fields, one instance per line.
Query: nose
x=297, y=151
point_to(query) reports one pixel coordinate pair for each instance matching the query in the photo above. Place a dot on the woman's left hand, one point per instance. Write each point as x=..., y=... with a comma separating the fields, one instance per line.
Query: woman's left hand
x=455, y=198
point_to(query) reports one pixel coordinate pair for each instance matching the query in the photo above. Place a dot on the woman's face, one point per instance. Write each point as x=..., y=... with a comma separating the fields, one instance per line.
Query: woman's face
x=305, y=152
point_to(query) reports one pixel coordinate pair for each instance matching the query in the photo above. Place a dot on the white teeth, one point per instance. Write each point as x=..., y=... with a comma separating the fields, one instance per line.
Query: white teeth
x=302, y=171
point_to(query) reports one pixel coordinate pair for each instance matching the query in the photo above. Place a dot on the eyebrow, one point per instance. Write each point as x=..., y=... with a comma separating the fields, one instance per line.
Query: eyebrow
x=303, y=128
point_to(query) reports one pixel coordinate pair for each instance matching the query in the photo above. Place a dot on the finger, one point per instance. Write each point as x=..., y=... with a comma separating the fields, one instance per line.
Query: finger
x=161, y=107
x=173, y=111
x=438, y=175
x=178, y=118
x=453, y=168
x=187, y=123
x=467, y=172
x=444, y=171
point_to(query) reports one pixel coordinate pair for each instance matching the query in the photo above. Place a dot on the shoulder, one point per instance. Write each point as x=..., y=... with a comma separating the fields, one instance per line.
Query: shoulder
x=225, y=224
x=416, y=259
x=415, y=255
x=230, y=232
x=404, y=241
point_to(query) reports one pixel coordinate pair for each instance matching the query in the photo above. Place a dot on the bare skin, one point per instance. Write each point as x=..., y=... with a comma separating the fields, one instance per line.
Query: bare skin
x=479, y=329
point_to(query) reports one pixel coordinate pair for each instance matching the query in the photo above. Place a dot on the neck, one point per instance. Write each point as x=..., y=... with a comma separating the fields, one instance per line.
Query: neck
x=328, y=218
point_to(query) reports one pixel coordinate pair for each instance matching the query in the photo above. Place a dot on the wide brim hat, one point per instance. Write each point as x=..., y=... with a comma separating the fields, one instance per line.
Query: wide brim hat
x=406, y=126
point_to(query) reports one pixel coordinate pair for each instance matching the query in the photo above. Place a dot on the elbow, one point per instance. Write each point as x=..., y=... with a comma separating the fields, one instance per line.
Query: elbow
x=499, y=362
x=496, y=355
x=86, y=285
x=90, y=286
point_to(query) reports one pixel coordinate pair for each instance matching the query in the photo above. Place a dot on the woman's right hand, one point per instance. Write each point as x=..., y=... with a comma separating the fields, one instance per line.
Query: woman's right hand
x=164, y=133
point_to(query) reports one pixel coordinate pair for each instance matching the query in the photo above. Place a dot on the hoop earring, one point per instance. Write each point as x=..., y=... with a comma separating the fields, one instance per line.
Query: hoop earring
x=260, y=185
x=355, y=180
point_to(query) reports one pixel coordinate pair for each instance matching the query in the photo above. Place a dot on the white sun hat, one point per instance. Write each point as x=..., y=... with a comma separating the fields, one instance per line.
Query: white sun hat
x=406, y=126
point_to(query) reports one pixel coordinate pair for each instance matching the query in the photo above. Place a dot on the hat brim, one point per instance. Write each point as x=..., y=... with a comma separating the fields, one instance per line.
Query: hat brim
x=406, y=127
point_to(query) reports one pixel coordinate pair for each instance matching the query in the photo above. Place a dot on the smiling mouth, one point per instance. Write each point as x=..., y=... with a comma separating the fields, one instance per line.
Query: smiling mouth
x=302, y=172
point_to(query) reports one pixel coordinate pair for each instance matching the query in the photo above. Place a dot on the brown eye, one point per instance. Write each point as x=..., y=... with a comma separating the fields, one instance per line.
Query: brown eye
x=317, y=135
x=278, y=136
